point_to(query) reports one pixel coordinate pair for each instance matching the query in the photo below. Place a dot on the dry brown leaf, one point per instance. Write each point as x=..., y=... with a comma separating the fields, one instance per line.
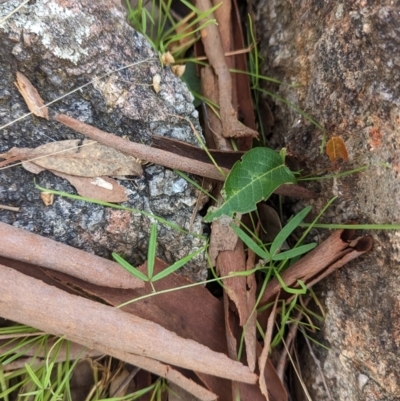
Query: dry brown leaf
x=32, y=167
x=84, y=159
x=101, y=188
x=31, y=96
x=336, y=149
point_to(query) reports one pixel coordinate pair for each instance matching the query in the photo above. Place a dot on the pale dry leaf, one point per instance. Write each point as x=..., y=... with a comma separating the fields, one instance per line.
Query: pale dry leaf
x=32, y=167
x=16, y=153
x=74, y=157
x=117, y=386
x=156, y=83
x=167, y=58
x=31, y=96
x=47, y=198
x=178, y=69
x=101, y=188
x=100, y=182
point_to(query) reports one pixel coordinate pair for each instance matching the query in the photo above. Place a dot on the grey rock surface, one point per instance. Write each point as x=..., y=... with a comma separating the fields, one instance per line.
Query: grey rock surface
x=59, y=46
x=345, y=57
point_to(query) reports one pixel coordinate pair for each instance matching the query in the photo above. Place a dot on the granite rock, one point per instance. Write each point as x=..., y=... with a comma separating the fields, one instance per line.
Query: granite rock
x=61, y=45
x=344, y=58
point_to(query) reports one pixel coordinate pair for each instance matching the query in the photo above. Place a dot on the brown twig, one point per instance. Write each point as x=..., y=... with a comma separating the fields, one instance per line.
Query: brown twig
x=262, y=360
x=11, y=208
x=142, y=152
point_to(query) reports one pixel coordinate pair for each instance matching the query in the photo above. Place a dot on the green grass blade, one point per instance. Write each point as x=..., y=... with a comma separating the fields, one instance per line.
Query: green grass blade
x=33, y=376
x=127, y=266
x=151, y=252
x=336, y=175
x=292, y=253
x=251, y=243
x=285, y=319
x=178, y=264
x=195, y=184
x=287, y=231
x=296, y=291
x=119, y=207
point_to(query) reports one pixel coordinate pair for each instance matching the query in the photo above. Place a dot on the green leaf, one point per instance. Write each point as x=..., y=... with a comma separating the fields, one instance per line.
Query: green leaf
x=260, y=172
x=287, y=230
x=127, y=266
x=33, y=376
x=176, y=265
x=151, y=251
x=251, y=243
x=292, y=253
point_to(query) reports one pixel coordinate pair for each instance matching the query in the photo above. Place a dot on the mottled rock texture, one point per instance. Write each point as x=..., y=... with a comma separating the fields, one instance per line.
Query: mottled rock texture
x=60, y=45
x=345, y=56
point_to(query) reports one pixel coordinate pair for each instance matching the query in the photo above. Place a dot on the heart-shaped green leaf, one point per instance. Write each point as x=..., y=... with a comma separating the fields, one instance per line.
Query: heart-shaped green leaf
x=260, y=172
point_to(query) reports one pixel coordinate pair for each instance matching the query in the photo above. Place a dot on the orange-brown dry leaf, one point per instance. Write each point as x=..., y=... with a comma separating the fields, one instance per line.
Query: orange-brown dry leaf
x=31, y=96
x=336, y=149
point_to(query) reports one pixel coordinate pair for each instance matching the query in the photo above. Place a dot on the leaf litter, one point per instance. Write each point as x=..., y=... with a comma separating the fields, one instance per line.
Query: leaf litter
x=239, y=290
x=85, y=164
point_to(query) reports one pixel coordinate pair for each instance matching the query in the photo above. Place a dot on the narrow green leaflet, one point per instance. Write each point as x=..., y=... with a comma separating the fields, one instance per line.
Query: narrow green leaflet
x=262, y=253
x=260, y=172
x=127, y=266
x=178, y=264
x=292, y=253
x=283, y=235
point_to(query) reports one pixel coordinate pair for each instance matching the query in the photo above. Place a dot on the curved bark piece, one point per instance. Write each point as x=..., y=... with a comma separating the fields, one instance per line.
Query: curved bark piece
x=107, y=329
x=332, y=254
x=24, y=246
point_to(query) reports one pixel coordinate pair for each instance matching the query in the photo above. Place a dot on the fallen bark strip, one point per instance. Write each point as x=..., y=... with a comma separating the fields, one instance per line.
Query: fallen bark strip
x=105, y=328
x=24, y=246
x=168, y=373
x=332, y=254
x=215, y=54
x=143, y=152
x=200, y=320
